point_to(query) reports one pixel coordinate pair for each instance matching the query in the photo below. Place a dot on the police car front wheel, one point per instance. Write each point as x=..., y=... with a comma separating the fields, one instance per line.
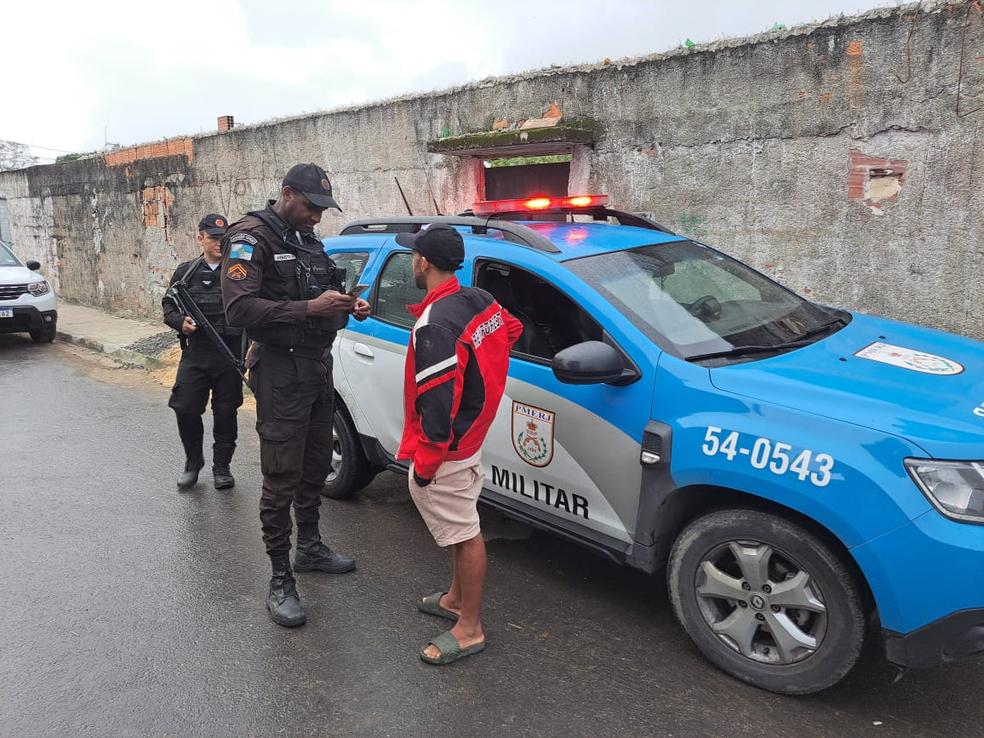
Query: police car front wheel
x=766, y=601
x=350, y=469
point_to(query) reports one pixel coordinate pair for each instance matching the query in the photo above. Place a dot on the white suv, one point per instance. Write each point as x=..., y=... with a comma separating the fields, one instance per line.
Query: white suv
x=27, y=301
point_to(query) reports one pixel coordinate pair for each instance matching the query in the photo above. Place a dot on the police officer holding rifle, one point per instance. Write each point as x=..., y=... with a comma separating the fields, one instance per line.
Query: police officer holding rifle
x=279, y=285
x=210, y=358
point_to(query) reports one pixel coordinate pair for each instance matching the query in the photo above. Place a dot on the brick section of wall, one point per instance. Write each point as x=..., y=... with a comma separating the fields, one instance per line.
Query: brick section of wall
x=875, y=179
x=173, y=147
x=157, y=203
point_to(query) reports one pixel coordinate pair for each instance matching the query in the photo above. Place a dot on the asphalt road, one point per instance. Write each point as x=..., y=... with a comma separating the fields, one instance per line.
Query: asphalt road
x=127, y=608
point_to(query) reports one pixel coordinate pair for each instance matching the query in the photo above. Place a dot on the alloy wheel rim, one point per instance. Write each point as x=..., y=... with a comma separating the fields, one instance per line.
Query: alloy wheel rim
x=336, y=456
x=761, y=603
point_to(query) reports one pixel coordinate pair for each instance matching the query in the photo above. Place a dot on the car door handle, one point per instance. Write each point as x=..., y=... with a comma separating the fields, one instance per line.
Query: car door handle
x=362, y=350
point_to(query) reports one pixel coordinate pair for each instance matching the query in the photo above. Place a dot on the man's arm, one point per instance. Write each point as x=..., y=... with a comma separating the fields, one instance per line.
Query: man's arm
x=514, y=328
x=244, y=260
x=439, y=374
x=173, y=317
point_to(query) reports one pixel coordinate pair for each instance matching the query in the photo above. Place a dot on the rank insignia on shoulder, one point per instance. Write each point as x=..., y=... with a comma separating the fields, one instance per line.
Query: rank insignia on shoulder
x=242, y=251
x=236, y=272
x=242, y=237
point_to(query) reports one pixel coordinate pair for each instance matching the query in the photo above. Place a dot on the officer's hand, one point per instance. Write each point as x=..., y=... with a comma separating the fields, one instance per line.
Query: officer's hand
x=329, y=303
x=361, y=309
x=188, y=326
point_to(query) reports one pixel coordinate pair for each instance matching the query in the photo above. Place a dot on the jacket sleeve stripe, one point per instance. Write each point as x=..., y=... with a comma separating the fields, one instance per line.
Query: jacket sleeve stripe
x=437, y=381
x=436, y=368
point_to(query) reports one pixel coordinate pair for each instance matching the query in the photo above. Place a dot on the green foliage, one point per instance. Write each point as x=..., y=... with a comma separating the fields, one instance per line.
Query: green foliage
x=518, y=161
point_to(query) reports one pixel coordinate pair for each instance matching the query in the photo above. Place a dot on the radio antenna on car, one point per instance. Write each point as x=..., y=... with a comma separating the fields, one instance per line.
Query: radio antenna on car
x=409, y=211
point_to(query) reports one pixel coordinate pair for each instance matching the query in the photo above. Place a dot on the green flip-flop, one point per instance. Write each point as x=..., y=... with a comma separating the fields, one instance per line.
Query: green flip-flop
x=450, y=649
x=431, y=604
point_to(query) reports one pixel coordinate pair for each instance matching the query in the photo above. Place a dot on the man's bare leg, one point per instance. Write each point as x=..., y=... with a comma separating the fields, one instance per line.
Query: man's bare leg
x=452, y=598
x=469, y=562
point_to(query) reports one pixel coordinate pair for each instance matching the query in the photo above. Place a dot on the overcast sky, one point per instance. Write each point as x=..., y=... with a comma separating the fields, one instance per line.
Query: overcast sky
x=145, y=71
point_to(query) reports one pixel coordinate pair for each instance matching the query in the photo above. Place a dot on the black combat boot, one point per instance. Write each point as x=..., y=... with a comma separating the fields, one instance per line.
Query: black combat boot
x=283, y=601
x=190, y=430
x=221, y=456
x=313, y=555
x=189, y=477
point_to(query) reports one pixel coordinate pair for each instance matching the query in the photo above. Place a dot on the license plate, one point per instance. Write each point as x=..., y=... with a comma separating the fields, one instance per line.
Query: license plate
x=6, y=312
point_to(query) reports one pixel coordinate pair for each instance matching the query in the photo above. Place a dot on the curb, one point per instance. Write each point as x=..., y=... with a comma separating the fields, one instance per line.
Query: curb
x=112, y=350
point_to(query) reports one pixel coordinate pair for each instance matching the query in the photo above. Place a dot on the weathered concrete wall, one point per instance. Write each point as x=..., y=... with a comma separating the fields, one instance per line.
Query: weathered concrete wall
x=844, y=159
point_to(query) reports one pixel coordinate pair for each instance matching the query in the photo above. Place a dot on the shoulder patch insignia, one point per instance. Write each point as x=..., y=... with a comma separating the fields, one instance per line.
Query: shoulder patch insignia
x=242, y=237
x=236, y=272
x=283, y=257
x=242, y=251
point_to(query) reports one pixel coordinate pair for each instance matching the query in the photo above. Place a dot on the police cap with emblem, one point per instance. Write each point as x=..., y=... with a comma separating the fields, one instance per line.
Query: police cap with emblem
x=213, y=224
x=312, y=182
x=440, y=244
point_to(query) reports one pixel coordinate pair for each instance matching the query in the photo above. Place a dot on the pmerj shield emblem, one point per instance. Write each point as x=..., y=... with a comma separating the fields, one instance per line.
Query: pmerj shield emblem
x=533, y=433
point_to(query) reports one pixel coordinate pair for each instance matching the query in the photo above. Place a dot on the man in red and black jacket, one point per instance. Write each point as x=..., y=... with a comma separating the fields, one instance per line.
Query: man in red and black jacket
x=455, y=376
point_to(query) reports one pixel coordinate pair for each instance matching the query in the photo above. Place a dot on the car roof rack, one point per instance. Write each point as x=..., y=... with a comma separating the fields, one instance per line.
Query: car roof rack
x=513, y=232
x=597, y=213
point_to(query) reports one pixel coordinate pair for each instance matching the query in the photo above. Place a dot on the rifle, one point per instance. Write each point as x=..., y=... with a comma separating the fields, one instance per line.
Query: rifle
x=178, y=292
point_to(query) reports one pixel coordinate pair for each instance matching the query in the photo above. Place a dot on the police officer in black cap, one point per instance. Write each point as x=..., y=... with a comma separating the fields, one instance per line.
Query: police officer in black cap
x=279, y=285
x=203, y=369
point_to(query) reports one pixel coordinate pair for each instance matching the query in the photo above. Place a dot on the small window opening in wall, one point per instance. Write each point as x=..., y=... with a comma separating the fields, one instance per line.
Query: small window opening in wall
x=517, y=177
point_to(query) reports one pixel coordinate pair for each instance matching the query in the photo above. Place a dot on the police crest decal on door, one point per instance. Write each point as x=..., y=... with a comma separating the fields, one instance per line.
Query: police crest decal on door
x=533, y=434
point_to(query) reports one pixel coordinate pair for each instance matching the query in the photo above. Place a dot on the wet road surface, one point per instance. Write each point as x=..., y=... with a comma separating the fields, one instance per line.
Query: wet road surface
x=128, y=608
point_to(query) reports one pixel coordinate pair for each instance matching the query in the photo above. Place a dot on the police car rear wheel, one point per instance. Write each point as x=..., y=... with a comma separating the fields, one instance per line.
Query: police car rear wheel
x=350, y=470
x=766, y=601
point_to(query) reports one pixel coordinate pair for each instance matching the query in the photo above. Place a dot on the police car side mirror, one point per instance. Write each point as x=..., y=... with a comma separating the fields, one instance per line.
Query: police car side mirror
x=591, y=362
x=33, y=265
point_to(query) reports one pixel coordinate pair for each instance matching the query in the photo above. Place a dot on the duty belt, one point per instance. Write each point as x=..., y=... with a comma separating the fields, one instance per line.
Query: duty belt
x=303, y=352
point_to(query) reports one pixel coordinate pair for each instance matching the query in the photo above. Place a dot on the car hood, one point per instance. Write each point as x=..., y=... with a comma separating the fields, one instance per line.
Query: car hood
x=18, y=275
x=934, y=399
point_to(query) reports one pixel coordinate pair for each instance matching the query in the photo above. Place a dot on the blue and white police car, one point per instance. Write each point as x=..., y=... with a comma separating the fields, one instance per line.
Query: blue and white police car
x=805, y=475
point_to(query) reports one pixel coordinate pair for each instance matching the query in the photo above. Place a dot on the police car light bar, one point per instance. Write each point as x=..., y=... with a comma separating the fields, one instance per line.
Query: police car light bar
x=534, y=204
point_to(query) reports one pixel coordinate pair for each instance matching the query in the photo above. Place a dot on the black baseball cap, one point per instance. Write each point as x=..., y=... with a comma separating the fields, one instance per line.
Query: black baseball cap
x=312, y=182
x=441, y=244
x=213, y=224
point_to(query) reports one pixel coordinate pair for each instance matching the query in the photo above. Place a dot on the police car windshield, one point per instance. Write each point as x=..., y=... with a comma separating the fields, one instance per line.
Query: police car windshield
x=693, y=300
x=7, y=258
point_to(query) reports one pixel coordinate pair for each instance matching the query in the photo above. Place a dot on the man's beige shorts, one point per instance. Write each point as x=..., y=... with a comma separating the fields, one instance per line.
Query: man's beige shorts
x=449, y=504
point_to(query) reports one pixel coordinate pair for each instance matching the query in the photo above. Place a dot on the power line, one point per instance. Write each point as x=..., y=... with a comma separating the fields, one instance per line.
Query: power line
x=35, y=146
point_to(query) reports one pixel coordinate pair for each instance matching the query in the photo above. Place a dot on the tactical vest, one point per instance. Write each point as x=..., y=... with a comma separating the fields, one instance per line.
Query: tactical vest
x=206, y=290
x=306, y=272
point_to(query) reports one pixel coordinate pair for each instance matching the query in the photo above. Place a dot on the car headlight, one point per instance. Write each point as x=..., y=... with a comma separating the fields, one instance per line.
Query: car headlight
x=38, y=288
x=956, y=488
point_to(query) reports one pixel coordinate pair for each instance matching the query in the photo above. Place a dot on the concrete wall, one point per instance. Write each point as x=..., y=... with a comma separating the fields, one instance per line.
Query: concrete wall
x=844, y=159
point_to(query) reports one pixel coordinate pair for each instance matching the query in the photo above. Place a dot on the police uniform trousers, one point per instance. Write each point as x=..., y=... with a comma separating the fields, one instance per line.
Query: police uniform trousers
x=294, y=407
x=203, y=371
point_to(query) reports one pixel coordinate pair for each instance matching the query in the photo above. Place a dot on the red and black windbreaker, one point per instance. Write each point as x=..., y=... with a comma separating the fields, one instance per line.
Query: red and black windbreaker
x=455, y=375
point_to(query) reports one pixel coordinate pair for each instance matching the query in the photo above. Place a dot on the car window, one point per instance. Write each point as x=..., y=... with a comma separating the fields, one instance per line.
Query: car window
x=396, y=290
x=352, y=263
x=551, y=320
x=692, y=299
x=7, y=257
x=693, y=279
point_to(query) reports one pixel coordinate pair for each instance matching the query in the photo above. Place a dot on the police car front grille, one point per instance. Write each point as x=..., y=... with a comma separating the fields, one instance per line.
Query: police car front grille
x=12, y=291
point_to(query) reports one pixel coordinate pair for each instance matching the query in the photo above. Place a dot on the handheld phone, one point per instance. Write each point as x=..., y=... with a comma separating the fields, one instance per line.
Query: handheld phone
x=358, y=289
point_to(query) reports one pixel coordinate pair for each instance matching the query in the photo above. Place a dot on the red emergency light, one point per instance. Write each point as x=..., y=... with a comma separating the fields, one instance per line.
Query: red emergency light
x=539, y=204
